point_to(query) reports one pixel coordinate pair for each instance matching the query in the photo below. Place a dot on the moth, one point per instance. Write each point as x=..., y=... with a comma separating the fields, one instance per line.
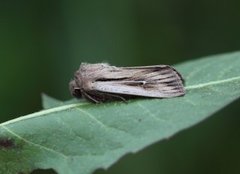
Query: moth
x=101, y=82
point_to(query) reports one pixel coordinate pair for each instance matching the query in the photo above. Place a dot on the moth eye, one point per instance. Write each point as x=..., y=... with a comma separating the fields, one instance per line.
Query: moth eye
x=77, y=93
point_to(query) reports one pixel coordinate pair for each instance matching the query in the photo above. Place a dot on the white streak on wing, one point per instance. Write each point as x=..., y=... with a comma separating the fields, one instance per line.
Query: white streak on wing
x=158, y=91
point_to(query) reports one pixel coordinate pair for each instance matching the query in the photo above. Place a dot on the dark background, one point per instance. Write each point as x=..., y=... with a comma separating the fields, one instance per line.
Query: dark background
x=43, y=42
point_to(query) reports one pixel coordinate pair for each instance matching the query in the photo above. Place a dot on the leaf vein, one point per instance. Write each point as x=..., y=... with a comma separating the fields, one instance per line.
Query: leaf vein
x=43, y=113
x=32, y=143
x=212, y=83
x=150, y=113
x=92, y=117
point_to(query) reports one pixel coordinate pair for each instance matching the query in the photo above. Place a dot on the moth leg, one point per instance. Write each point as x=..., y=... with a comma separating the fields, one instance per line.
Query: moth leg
x=89, y=97
x=117, y=96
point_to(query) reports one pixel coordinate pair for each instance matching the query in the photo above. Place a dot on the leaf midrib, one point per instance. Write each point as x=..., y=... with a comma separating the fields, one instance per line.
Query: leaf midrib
x=44, y=112
x=69, y=106
x=212, y=83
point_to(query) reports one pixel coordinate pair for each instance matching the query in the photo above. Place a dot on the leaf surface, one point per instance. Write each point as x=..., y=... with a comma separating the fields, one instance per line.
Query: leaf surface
x=80, y=137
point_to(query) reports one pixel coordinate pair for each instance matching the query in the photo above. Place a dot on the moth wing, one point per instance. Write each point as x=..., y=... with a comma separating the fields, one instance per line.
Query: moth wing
x=154, y=67
x=146, y=67
x=162, y=92
x=160, y=81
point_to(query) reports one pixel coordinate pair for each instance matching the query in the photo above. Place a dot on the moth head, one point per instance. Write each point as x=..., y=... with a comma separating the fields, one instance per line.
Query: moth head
x=74, y=89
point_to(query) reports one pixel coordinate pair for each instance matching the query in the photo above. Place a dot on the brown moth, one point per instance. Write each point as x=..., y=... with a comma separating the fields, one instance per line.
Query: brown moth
x=101, y=82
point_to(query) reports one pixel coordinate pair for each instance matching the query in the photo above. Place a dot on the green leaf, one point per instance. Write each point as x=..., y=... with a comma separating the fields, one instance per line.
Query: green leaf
x=81, y=137
x=49, y=102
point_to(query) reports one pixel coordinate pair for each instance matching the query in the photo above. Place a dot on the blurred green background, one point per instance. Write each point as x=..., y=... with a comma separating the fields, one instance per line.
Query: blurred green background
x=43, y=42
